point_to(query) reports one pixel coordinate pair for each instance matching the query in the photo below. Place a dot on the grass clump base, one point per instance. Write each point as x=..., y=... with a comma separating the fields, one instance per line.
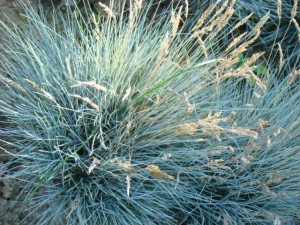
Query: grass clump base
x=126, y=120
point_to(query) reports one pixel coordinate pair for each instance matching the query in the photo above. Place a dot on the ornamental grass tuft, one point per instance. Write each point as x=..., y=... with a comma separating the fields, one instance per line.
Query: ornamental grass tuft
x=124, y=119
x=283, y=26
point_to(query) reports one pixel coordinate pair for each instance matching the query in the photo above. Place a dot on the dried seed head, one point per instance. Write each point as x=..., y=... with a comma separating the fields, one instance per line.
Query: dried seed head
x=94, y=164
x=96, y=31
x=203, y=140
x=262, y=124
x=294, y=10
x=297, y=27
x=94, y=20
x=210, y=126
x=253, y=59
x=126, y=166
x=68, y=63
x=87, y=100
x=266, y=215
x=249, y=105
x=269, y=141
x=166, y=156
x=277, y=221
x=250, y=146
x=246, y=73
x=279, y=9
x=258, y=82
x=189, y=107
x=157, y=173
x=128, y=127
x=165, y=46
x=236, y=41
x=256, y=95
x=186, y=8
x=265, y=187
x=282, y=195
x=277, y=132
x=175, y=21
x=243, y=132
x=215, y=165
x=91, y=84
x=293, y=76
x=276, y=180
x=230, y=148
x=11, y=83
x=254, y=33
x=107, y=10
x=225, y=219
x=45, y=93
x=216, y=161
x=127, y=93
x=128, y=185
x=137, y=5
x=187, y=128
x=245, y=160
x=231, y=117
x=205, y=15
x=74, y=205
x=202, y=45
x=281, y=60
x=219, y=23
x=259, y=25
x=241, y=23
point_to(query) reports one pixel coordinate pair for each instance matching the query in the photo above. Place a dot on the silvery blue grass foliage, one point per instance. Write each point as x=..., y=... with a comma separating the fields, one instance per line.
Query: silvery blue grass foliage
x=124, y=120
x=282, y=28
x=284, y=19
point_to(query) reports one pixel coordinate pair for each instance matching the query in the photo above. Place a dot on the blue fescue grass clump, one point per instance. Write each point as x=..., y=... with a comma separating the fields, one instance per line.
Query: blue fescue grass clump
x=282, y=28
x=125, y=120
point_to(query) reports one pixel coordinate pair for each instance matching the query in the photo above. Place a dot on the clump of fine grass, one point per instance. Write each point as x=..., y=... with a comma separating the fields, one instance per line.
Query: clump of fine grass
x=129, y=121
x=282, y=27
